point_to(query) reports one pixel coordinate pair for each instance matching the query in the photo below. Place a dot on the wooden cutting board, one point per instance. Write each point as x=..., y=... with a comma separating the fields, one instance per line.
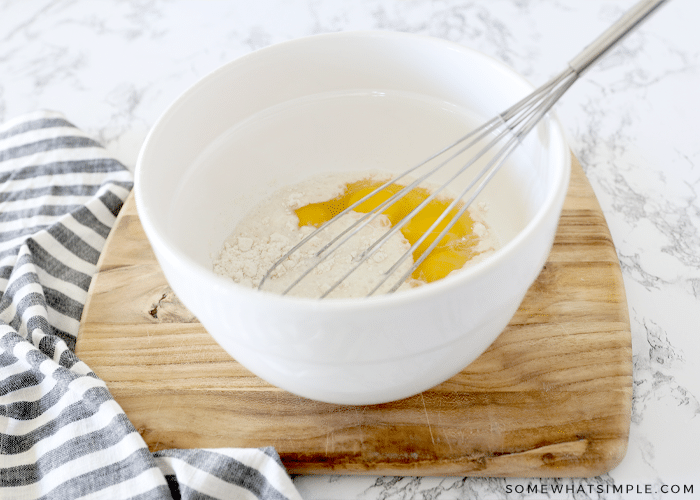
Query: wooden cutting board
x=551, y=396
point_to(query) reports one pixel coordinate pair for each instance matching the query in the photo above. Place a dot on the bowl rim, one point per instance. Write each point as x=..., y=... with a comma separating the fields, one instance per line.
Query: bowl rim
x=552, y=201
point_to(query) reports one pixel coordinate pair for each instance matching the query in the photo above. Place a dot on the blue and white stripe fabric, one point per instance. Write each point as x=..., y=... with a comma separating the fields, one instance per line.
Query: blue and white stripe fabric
x=62, y=435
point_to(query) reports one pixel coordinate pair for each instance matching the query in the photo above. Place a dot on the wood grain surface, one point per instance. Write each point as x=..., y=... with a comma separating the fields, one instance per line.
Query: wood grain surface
x=550, y=397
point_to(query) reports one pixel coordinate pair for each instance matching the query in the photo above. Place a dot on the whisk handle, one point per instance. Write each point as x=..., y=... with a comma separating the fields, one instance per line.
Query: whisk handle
x=626, y=24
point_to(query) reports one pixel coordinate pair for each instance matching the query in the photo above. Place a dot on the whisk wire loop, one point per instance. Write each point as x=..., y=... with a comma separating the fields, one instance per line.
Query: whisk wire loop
x=514, y=123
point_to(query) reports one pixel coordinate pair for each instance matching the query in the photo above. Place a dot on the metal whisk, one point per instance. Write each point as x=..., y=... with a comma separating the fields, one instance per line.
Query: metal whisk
x=508, y=129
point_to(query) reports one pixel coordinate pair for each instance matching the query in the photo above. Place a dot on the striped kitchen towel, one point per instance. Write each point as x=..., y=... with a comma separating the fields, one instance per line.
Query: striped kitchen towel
x=62, y=435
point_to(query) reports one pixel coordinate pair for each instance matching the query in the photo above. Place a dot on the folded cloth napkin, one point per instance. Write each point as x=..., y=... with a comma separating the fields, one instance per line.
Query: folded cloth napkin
x=62, y=435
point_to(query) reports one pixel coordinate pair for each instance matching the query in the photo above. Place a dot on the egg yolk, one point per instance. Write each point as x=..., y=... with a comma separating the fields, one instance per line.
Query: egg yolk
x=451, y=253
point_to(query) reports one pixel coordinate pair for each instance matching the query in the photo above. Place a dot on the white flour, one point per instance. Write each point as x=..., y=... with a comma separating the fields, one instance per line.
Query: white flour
x=270, y=230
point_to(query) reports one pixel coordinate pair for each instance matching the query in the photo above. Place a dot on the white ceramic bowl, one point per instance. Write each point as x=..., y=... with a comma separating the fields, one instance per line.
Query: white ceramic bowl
x=214, y=153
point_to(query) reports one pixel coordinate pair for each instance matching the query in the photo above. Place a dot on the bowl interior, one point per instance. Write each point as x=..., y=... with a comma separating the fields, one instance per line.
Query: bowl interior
x=330, y=103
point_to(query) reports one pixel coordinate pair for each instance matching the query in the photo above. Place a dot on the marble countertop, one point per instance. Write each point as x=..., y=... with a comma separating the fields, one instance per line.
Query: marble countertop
x=113, y=67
